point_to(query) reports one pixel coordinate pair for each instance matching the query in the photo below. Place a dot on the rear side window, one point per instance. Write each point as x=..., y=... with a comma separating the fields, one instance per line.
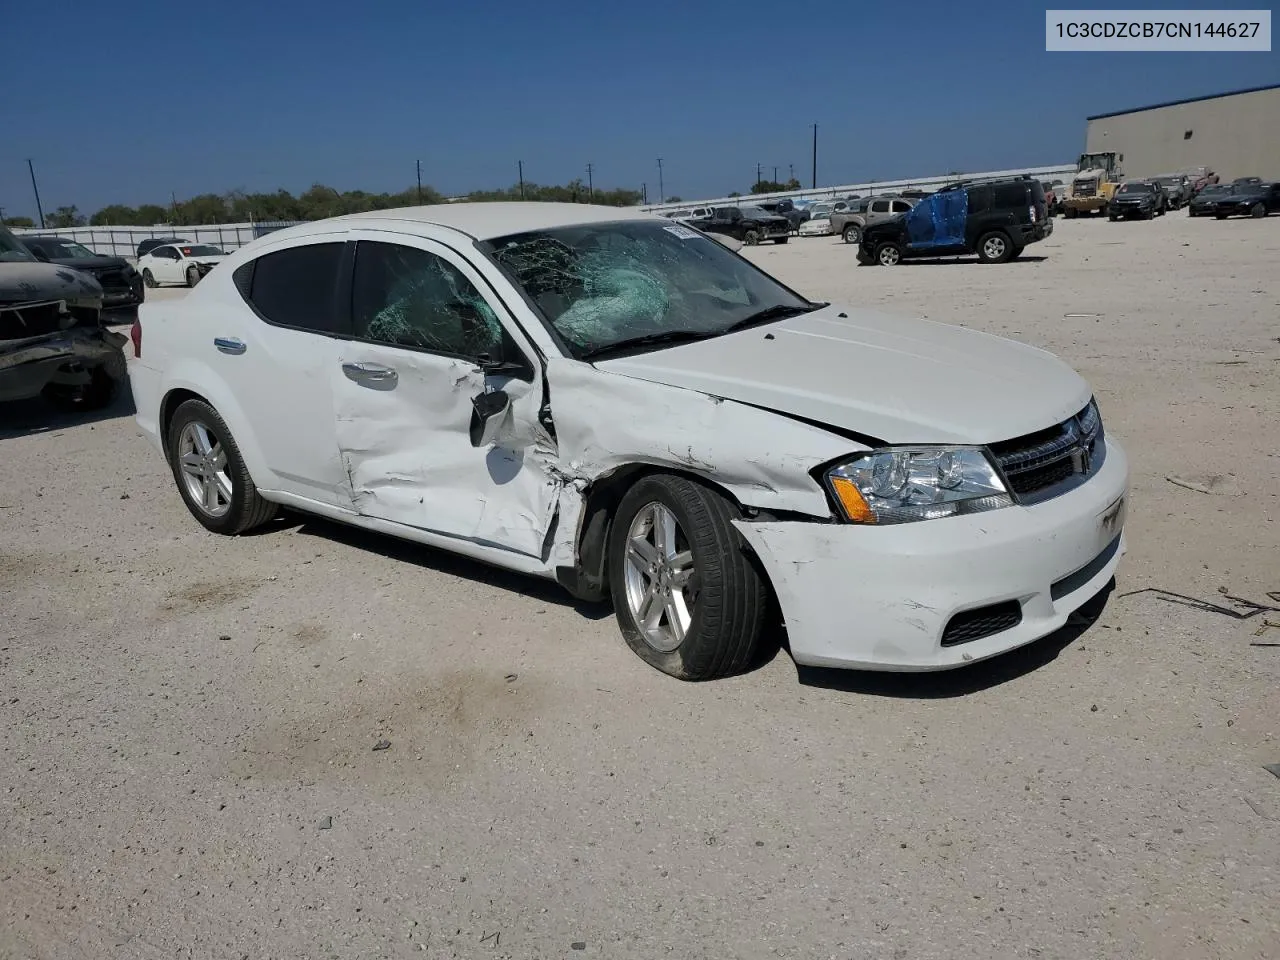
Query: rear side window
x=880, y=206
x=901, y=206
x=1009, y=195
x=979, y=199
x=295, y=287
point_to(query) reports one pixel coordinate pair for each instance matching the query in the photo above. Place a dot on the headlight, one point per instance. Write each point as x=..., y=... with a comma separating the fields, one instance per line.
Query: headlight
x=903, y=484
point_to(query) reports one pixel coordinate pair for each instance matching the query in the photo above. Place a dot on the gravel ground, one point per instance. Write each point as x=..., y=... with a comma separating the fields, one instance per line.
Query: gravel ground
x=189, y=724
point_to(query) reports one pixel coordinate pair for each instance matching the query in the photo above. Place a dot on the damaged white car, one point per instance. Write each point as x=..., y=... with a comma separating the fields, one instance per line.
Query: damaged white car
x=620, y=403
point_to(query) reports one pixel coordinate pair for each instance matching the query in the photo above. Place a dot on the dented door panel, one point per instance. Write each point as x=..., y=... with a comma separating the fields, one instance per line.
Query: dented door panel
x=402, y=428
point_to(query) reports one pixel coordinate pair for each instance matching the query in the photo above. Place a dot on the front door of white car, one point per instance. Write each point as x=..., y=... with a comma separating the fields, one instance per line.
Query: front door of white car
x=403, y=391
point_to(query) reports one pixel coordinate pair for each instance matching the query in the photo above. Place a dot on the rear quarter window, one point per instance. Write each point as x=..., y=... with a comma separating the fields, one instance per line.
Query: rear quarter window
x=1010, y=195
x=294, y=287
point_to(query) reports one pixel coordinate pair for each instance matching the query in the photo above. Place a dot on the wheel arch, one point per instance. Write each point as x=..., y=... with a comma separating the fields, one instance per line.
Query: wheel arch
x=192, y=385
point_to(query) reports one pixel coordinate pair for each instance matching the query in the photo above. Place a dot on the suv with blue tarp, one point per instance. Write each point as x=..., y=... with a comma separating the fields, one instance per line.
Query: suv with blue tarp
x=995, y=219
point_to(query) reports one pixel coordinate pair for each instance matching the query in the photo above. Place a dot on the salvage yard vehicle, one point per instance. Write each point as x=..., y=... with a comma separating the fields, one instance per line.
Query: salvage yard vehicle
x=1205, y=203
x=1095, y=181
x=121, y=283
x=1178, y=189
x=1137, y=198
x=866, y=211
x=619, y=403
x=786, y=209
x=819, y=222
x=995, y=219
x=747, y=223
x=52, y=342
x=146, y=246
x=185, y=263
x=1248, y=199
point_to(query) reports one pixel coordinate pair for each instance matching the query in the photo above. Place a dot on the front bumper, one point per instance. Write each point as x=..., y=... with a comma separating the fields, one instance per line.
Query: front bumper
x=26, y=369
x=812, y=228
x=881, y=598
x=1126, y=210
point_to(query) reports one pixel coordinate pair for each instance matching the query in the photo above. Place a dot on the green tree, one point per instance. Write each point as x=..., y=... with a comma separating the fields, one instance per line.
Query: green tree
x=64, y=217
x=151, y=215
x=773, y=186
x=115, y=215
x=19, y=222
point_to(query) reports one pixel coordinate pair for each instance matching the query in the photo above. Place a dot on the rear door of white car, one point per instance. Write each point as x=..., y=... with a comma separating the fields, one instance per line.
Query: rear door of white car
x=278, y=354
x=422, y=318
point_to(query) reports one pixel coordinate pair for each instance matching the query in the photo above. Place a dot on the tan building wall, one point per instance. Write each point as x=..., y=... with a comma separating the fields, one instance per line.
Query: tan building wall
x=1236, y=135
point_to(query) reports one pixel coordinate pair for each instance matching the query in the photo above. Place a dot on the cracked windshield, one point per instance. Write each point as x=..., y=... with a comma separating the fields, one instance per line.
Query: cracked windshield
x=615, y=286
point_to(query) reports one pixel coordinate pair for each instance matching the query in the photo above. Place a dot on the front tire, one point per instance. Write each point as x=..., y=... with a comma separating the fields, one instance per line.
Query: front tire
x=1258, y=211
x=751, y=237
x=148, y=280
x=210, y=472
x=687, y=595
x=994, y=247
x=193, y=276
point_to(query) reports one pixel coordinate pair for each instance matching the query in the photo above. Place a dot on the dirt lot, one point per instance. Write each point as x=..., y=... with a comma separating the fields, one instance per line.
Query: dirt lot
x=187, y=723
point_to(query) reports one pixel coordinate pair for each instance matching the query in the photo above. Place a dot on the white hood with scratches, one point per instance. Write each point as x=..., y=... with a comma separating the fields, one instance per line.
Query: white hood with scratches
x=895, y=379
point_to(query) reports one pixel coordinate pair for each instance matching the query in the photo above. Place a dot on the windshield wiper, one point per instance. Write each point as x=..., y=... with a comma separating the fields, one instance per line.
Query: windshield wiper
x=649, y=339
x=780, y=311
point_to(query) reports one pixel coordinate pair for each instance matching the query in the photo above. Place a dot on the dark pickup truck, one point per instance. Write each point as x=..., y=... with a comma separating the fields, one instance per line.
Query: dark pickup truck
x=52, y=341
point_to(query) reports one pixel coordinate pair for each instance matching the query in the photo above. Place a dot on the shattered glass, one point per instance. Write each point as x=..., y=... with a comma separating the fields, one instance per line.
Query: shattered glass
x=412, y=298
x=598, y=284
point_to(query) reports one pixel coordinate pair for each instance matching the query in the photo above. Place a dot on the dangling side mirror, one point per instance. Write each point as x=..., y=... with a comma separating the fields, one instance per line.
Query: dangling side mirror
x=488, y=416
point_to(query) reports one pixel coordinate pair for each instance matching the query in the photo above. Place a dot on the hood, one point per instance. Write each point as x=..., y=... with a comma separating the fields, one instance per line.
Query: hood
x=38, y=282
x=764, y=218
x=215, y=259
x=896, y=379
x=91, y=264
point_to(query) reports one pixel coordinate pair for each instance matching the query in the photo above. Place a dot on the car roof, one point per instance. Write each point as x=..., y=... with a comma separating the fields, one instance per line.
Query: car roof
x=485, y=221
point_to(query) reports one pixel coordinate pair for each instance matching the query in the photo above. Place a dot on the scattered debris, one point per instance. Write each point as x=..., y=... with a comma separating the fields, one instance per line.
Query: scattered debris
x=496, y=937
x=1266, y=625
x=1252, y=607
x=1217, y=484
x=1094, y=708
x=326, y=823
x=1272, y=768
x=224, y=637
x=382, y=745
x=578, y=945
x=124, y=496
x=511, y=677
x=1253, y=805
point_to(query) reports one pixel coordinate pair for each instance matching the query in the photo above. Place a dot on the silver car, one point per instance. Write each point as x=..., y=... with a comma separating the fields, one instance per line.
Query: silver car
x=866, y=211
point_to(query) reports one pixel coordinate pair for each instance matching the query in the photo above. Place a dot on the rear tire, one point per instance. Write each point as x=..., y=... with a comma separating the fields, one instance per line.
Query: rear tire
x=193, y=276
x=721, y=592
x=781, y=239
x=1220, y=216
x=751, y=237
x=852, y=234
x=889, y=254
x=147, y=279
x=235, y=505
x=994, y=247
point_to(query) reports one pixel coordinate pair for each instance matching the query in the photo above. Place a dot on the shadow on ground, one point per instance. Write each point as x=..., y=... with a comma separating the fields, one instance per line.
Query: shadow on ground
x=19, y=418
x=956, y=261
x=420, y=555
x=963, y=680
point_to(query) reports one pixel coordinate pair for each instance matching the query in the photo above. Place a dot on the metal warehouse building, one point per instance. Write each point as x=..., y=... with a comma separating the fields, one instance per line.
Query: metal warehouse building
x=1234, y=134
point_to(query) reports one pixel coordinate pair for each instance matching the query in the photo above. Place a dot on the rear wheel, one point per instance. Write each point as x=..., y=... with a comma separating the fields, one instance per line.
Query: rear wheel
x=1070, y=213
x=147, y=278
x=688, y=597
x=852, y=234
x=781, y=239
x=210, y=473
x=751, y=237
x=994, y=247
x=1221, y=216
x=888, y=254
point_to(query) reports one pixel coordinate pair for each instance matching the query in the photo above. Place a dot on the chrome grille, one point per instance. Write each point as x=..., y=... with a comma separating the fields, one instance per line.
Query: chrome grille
x=1050, y=462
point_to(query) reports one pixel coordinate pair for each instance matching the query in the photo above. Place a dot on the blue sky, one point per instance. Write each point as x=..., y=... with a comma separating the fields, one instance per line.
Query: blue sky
x=148, y=98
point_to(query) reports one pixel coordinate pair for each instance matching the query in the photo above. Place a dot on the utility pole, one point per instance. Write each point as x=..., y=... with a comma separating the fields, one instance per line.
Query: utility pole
x=591, y=187
x=174, y=198
x=644, y=194
x=814, y=186
x=662, y=192
x=792, y=167
x=775, y=174
x=759, y=175
x=36, y=191
x=520, y=168
x=419, y=162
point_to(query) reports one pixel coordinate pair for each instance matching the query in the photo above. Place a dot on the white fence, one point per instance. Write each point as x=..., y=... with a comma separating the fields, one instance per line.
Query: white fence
x=870, y=188
x=123, y=241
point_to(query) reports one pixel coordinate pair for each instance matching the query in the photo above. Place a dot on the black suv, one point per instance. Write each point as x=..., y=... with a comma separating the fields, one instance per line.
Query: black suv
x=749, y=224
x=995, y=219
x=121, y=284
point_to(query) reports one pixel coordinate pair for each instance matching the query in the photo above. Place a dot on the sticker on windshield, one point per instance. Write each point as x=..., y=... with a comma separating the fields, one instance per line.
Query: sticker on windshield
x=684, y=233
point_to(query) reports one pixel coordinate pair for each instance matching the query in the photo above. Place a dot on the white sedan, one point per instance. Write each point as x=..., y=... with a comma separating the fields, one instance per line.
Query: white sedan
x=819, y=222
x=619, y=403
x=185, y=263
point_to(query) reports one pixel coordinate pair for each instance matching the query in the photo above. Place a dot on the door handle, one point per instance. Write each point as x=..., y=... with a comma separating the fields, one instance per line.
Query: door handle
x=372, y=374
x=229, y=345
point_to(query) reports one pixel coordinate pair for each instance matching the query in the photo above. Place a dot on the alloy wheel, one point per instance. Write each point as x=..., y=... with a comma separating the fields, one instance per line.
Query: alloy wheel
x=204, y=469
x=659, y=576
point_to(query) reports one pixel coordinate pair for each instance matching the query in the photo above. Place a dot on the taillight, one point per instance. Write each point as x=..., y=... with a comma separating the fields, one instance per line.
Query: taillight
x=135, y=334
